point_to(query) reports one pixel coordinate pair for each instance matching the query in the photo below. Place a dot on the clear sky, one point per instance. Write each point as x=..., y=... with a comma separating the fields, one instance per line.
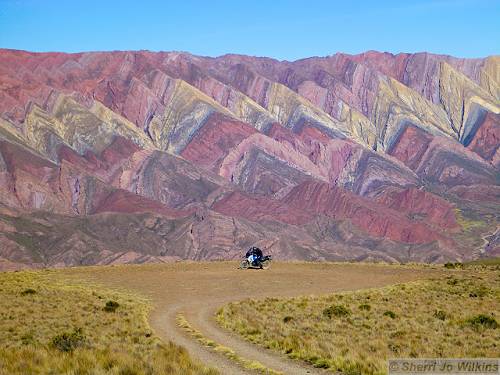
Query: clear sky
x=282, y=29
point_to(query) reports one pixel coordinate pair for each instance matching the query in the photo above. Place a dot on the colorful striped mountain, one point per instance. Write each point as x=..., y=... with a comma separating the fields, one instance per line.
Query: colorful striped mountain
x=138, y=156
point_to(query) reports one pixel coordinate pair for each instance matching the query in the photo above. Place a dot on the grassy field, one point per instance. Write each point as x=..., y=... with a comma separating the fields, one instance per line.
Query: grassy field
x=356, y=332
x=485, y=262
x=48, y=326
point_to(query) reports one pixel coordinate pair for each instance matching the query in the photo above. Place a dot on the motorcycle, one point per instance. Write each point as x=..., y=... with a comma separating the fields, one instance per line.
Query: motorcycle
x=263, y=263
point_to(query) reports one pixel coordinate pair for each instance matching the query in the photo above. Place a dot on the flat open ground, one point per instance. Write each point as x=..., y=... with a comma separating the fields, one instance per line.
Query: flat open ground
x=197, y=290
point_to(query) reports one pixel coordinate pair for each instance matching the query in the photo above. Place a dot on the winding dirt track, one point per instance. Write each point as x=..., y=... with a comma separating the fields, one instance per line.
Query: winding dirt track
x=197, y=290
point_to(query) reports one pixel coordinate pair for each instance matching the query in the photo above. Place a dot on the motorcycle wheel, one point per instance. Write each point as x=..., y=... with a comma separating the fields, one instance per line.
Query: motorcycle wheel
x=265, y=264
x=244, y=264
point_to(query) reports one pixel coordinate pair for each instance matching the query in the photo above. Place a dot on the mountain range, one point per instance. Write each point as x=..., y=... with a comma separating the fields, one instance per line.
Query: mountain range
x=138, y=156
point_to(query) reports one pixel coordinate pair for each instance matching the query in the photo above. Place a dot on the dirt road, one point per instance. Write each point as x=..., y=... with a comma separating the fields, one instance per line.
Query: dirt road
x=197, y=290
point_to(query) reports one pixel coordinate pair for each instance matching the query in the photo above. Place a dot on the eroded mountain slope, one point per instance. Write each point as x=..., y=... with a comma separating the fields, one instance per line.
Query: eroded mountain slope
x=141, y=156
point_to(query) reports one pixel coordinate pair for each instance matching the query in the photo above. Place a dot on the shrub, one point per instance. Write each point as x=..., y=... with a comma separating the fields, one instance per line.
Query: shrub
x=337, y=310
x=481, y=291
x=287, y=319
x=482, y=320
x=365, y=307
x=395, y=348
x=451, y=265
x=111, y=306
x=69, y=341
x=28, y=291
x=390, y=314
x=440, y=314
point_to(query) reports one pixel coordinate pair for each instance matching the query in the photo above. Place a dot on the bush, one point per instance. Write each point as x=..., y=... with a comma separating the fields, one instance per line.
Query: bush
x=451, y=265
x=337, y=310
x=440, y=314
x=28, y=291
x=111, y=306
x=482, y=320
x=365, y=307
x=390, y=314
x=481, y=291
x=395, y=348
x=287, y=319
x=67, y=342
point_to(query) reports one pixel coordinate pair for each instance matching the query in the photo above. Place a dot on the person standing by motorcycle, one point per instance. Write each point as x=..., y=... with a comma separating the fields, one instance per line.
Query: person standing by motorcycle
x=254, y=255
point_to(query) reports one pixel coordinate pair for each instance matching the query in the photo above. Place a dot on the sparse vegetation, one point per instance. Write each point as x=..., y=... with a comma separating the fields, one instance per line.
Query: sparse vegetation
x=111, y=306
x=69, y=341
x=28, y=291
x=365, y=306
x=482, y=321
x=390, y=314
x=451, y=265
x=337, y=310
x=472, y=228
x=426, y=319
x=487, y=262
x=440, y=314
x=52, y=326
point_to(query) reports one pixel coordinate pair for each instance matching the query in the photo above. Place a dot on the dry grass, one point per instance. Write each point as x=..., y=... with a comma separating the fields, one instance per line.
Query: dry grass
x=356, y=332
x=48, y=326
x=228, y=352
x=485, y=262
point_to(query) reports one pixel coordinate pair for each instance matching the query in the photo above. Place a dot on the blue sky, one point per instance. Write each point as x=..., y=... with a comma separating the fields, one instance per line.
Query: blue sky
x=282, y=29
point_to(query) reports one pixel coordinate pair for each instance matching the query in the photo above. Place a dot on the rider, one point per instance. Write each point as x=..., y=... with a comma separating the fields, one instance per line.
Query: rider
x=254, y=255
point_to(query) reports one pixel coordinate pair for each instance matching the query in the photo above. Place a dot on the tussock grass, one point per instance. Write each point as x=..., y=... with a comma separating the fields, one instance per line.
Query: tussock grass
x=49, y=326
x=454, y=316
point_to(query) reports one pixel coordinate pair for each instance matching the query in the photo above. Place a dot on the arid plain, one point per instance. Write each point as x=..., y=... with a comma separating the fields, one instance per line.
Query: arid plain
x=197, y=290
